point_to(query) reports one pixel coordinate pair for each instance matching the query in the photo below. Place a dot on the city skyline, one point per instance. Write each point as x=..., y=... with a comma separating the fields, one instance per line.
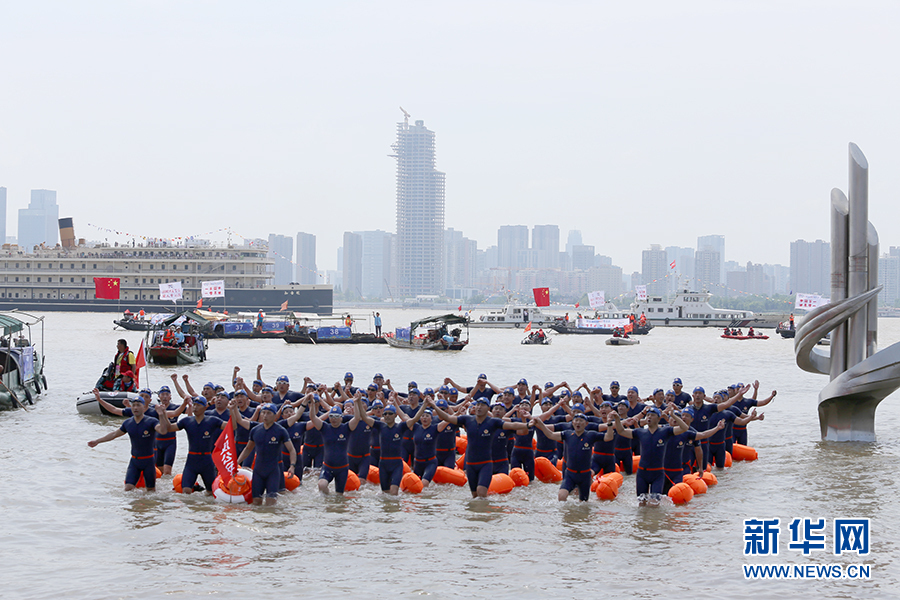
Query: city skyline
x=673, y=118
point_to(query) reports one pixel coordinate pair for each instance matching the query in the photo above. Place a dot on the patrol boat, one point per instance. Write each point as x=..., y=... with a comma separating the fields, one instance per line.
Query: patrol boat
x=692, y=309
x=22, y=378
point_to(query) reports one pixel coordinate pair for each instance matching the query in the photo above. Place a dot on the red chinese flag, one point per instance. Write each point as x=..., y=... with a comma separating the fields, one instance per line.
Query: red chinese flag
x=284, y=305
x=223, y=454
x=629, y=328
x=459, y=309
x=528, y=327
x=200, y=303
x=542, y=296
x=140, y=361
x=577, y=304
x=106, y=288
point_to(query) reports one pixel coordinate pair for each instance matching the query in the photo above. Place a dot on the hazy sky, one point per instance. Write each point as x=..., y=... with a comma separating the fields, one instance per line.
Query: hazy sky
x=638, y=123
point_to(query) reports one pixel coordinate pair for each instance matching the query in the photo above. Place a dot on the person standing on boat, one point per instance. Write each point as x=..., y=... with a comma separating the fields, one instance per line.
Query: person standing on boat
x=378, y=324
x=142, y=430
x=124, y=359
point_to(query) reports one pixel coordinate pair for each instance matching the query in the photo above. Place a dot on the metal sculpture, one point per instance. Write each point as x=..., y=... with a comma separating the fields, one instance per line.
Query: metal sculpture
x=861, y=377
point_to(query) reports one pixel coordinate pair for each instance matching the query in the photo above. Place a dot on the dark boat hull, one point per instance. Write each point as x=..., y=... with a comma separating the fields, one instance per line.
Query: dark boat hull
x=644, y=330
x=312, y=338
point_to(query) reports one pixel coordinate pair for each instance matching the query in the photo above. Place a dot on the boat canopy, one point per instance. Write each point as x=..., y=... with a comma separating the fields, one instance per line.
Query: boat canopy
x=10, y=324
x=449, y=319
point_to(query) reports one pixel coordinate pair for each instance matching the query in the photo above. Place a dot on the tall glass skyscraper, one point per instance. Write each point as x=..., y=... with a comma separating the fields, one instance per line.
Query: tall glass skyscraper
x=420, y=212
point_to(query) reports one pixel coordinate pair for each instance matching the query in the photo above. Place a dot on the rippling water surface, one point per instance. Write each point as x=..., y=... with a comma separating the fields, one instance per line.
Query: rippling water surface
x=69, y=530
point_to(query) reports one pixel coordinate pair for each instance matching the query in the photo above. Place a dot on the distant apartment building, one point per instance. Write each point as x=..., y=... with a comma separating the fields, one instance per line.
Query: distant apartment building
x=545, y=243
x=39, y=223
x=889, y=277
x=683, y=273
x=511, y=240
x=780, y=276
x=654, y=269
x=715, y=243
x=605, y=278
x=582, y=257
x=573, y=239
x=420, y=213
x=460, y=258
x=707, y=274
x=306, y=270
x=375, y=274
x=351, y=277
x=281, y=248
x=811, y=267
x=2, y=215
x=751, y=280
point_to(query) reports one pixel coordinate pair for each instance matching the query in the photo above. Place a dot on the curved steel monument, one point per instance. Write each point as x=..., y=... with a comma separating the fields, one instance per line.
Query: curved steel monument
x=861, y=377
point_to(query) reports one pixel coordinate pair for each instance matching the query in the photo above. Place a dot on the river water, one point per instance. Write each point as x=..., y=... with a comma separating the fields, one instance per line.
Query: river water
x=70, y=531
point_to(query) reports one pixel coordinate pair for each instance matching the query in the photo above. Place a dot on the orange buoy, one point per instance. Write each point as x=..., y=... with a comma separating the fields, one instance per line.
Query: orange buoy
x=612, y=480
x=618, y=468
x=239, y=489
x=741, y=452
x=606, y=489
x=545, y=471
x=559, y=464
x=710, y=479
x=448, y=475
x=681, y=493
x=697, y=484
x=519, y=477
x=373, y=477
x=406, y=468
x=635, y=461
x=140, y=482
x=501, y=483
x=411, y=483
x=176, y=483
x=728, y=462
x=460, y=460
x=352, y=482
x=291, y=482
x=461, y=445
x=617, y=477
x=594, y=483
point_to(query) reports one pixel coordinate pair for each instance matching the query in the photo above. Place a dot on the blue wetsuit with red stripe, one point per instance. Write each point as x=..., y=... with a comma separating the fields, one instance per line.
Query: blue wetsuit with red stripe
x=267, y=473
x=717, y=441
x=523, y=453
x=425, y=439
x=143, y=448
x=202, y=438
x=390, y=467
x=578, y=461
x=166, y=443
x=335, y=463
x=673, y=465
x=650, y=473
x=446, y=446
x=479, y=461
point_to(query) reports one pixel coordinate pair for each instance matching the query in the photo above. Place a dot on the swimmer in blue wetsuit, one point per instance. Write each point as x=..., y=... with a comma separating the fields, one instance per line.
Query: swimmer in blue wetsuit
x=650, y=475
x=425, y=436
x=480, y=430
x=336, y=437
x=703, y=411
x=739, y=432
x=445, y=447
x=578, y=442
x=142, y=430
x=267, y=440
x=390, y=432
x=202, y=432
x=522, y=456
x=717, y=441
x=678, y=445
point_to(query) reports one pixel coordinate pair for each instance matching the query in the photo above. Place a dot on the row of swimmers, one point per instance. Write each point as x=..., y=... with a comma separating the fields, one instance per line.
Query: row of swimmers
x=342, y=428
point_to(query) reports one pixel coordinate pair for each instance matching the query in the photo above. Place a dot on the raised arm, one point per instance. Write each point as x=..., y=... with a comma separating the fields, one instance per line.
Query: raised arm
x=620, y=429
x=441, y=413
x=188, y=386
x=730, y=402
x=553, y=435
x=751, y=417
x=109, y=436
x=410, y=422
x=181, y=393
x=702, y=435
x=761, y=403
x=163, y=426
x=105, y=404
x=174, y=414
x=236, y=417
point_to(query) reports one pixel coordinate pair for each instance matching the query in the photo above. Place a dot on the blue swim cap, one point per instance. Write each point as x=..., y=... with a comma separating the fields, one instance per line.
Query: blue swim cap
x=258, y=382
x=444, y=389
x=164, y=388
x=146, y=391
x=657, y=390
x=441, y=403
x=699, y=389
x=578, y=408
x=614, y=384
x=240, y=393
x=268, y=389
x=210, y=385
x=412, y=384
x=316, y=397
x=523, y=381
x=482, y=376
x=509, y=391
x=654, y=410
x=372, y=386
x=597, y=388
x=199, y=400
x=576, y=394
x=283, y=378
x=377, y=404
x=565, y=393
x=269, y=407
x=481, y=400
x=378, y=376
x=670, y=393
x=140, y=399
x=454, y=391
x=688, y=412
x=415, y=391
x=633, y=389
x=390, y=408
x=547, y=385
x=606, y=403
x=348, y=375
x=578, y=415
x=677, y=381
x=335, y=412
x=429, y=392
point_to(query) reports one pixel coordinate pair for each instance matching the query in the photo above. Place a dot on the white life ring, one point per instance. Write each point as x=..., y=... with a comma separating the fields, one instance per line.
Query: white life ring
x=239, y=489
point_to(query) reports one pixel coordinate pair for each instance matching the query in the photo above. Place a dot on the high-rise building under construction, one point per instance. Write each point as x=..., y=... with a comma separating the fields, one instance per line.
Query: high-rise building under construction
x=420, y=212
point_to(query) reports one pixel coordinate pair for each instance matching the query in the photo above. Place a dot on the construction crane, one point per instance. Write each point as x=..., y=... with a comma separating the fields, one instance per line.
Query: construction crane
x=405, y=117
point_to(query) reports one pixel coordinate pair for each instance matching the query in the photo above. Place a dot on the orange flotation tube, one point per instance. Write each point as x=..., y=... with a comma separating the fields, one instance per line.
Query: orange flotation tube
x=546, y=471
x=460, y=460
x=238, y=490
x=446, y=475
x=635, y=461
x=176, y=483
x=519, y=477
x=741, y=452
x=373, y=477
x=461, y=444
x=606, y=489
x=698, y=485
x=140, y=482
x=291, y=482
x=710, y=479
x=501, y=483
x=352, y=482
x=681, y=493
x=411, y=483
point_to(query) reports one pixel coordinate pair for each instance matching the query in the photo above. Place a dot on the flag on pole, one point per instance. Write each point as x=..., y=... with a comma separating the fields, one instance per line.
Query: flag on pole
x=223, y=455
x=284, y=305
x=629, y=328
x=459, y=309
x=672, y=265
x=140, y=361
x=541, y=296
x=577, y=304
x=200, y=303
x=106, y=288
x=528, y=327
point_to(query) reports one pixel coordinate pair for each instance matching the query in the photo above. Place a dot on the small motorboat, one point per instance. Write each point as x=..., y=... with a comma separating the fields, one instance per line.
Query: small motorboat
x=621, y=341
x=87, y=403
x=437, y=336
x=536, y=339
